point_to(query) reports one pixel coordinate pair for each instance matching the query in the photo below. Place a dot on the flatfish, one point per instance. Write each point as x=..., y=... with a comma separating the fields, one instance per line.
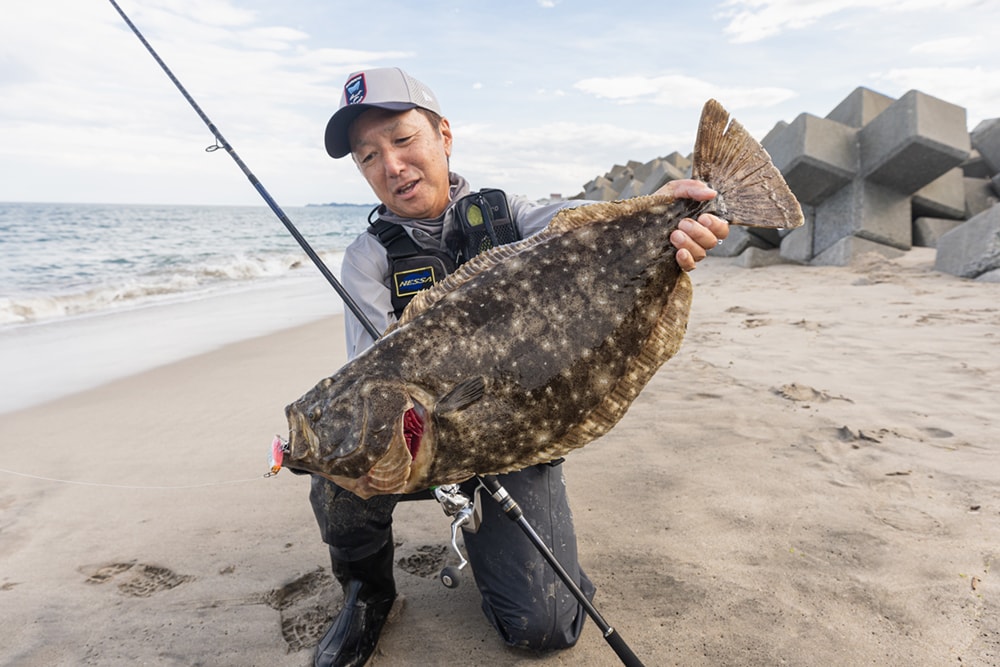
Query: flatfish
x=532, y=349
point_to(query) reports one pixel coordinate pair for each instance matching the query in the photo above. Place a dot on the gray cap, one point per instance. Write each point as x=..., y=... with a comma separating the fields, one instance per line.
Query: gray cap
x=385, y=88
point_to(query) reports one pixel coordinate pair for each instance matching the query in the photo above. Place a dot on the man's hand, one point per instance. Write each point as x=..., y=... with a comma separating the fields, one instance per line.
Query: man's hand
x=694, y=238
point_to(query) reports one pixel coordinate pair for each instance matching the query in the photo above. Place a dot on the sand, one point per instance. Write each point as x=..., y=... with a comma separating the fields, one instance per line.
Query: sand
x=813, y=480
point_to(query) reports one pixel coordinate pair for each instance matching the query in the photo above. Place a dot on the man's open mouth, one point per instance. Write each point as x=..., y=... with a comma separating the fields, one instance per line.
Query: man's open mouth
x=407, y=189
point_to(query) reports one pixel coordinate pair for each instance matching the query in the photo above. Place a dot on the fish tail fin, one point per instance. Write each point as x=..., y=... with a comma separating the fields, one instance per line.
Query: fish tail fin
x=751, y=190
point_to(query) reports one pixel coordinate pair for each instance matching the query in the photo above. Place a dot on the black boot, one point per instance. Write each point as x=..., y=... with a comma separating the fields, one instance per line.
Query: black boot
x=369, y=591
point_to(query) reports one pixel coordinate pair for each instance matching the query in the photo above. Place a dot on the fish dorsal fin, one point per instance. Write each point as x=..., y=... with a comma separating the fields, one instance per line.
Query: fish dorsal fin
x=574, y=218
x=566, y=220
x=734, y=164
x=481, y=263
x=462, y=396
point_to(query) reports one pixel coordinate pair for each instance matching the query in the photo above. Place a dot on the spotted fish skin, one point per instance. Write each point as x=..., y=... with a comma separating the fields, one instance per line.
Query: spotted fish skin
x=535, y=348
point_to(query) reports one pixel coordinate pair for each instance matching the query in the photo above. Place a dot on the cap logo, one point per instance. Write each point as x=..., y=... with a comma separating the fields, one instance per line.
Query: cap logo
x=355, y=89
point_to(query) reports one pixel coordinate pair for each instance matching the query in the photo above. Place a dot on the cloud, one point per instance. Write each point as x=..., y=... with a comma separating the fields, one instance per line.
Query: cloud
x=86, y=95
x=976, y=88
x=949, y=47
x=754, y=20
x=550, y=153
x=680, y=91
x=83, y=106
x=546, y=137
x=210, y=12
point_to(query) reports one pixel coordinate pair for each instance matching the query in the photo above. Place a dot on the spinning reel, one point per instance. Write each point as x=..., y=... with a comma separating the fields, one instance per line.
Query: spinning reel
x=466, y=514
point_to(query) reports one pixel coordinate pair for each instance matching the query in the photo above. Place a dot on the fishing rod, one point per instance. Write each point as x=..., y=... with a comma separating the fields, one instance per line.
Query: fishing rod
x=515, y=514
x=490, y=482
x=268, y=199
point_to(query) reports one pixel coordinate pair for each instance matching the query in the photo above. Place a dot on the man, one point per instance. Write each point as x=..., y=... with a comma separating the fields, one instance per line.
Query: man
x=392, y=126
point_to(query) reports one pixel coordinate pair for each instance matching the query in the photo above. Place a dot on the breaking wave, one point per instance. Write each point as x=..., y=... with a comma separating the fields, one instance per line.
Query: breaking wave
x=182, y=283
x=69, y=260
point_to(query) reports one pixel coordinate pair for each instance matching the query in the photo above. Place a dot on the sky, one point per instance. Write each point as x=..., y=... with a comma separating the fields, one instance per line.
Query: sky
x=542, y=95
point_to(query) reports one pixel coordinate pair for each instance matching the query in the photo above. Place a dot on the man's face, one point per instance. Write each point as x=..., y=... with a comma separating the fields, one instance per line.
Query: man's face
x=404, y=159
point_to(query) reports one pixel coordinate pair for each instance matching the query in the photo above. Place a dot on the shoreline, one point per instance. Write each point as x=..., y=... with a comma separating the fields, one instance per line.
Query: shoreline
x=810, y=481
x=52, y=359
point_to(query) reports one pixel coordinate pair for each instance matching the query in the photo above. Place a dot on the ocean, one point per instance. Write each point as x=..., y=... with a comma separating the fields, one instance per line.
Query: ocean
x=93, y=292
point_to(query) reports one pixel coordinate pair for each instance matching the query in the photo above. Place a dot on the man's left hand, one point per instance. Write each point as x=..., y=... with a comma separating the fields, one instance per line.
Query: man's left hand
x=694, y=238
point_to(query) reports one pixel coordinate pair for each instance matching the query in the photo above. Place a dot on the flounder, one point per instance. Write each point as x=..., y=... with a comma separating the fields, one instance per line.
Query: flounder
x=532, y=349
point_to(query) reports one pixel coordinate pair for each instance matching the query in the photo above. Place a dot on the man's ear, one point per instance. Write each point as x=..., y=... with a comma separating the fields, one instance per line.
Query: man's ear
x=445, y=128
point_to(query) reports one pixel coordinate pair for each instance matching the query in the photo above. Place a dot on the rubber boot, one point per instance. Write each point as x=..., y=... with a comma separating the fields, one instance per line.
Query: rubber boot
x=369, y=591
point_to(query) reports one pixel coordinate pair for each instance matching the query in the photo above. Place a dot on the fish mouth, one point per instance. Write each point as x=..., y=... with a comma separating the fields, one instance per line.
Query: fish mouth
x=308, y=453
x=381, y=443
x=405, y=450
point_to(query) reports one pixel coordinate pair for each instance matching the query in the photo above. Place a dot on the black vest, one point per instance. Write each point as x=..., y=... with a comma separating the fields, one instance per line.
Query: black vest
x=484, y=221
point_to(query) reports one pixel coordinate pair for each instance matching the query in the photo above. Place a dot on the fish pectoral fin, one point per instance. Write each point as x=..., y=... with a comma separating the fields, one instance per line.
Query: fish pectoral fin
x=462, y=396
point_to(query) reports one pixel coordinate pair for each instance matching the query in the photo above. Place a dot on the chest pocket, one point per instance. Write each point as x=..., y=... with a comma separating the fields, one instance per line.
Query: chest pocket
x=484, y=222
x=411, y=268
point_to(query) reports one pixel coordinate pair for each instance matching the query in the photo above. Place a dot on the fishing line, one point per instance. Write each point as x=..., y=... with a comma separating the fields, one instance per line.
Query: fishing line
x=222, y=143
x=129, y=486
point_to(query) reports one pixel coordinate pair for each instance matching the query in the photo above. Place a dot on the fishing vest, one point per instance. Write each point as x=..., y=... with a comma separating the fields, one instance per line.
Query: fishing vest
x=484, y=222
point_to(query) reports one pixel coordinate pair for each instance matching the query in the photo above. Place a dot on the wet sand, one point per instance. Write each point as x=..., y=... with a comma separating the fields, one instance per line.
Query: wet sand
x=814, y=479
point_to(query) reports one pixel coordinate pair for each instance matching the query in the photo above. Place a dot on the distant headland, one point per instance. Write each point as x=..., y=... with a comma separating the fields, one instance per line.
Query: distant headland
x=341, y=204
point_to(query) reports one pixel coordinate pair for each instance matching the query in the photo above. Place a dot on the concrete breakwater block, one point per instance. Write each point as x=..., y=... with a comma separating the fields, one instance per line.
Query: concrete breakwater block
x=851, y=249
x=943, y=197
x=986, y=139
x=860, y=107
x=741, y=238
x=913, y=142
x=877, y=173
x=972, y=248
x=867, y=210
x=979, y=196
x=927, y=231
x=816, y=156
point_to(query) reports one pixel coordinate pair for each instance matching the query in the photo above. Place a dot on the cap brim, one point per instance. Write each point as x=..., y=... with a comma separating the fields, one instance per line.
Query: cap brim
x=338, y=143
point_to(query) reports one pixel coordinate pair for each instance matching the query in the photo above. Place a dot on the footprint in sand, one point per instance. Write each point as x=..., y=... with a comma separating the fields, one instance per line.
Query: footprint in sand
x=135, y=579
x=307, y=586
x=847, y=434
x=908, y=519
x=809, y=326
x=101, y=573
x=804, y=394
x=426, y=561
x=304, y=629
x=753, y=319
x=306, y=606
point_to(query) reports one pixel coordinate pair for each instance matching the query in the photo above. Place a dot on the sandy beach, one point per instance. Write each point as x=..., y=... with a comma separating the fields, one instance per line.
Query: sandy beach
x=813, y=480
